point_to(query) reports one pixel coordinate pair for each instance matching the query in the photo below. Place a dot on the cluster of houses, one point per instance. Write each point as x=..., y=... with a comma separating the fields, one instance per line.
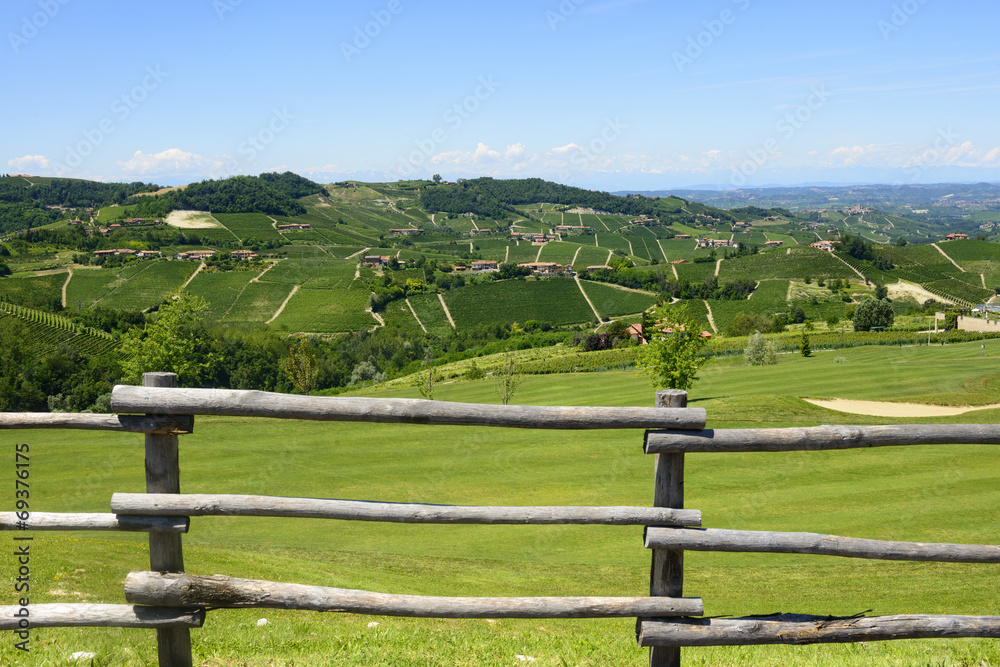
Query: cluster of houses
x=407, y=231
x=293, y=227
x=536, y=238
x=716, y=243
x=128, y=252
x=956, y=237
x=634, y=331
x=826, y=246
x=571, y=228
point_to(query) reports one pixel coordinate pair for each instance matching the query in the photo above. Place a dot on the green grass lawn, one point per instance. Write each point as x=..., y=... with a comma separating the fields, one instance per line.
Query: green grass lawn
x=940, y=494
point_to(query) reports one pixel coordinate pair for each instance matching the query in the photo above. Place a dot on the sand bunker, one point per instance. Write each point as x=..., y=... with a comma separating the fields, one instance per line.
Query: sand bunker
x=880, y=409
x=191, y=220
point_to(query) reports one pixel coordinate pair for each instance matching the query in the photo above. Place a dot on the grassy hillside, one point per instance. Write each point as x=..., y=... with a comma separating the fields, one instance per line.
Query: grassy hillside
x=947, y=494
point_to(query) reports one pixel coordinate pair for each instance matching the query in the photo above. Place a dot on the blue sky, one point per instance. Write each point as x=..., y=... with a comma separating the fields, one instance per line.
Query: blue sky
x=609, y=94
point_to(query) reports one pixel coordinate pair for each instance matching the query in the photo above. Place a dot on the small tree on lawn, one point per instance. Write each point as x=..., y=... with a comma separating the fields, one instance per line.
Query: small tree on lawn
x=508, y=377
x=760, y=351
x=804, y=347
x=300, y=366
x=427, y=382
x=671, y=360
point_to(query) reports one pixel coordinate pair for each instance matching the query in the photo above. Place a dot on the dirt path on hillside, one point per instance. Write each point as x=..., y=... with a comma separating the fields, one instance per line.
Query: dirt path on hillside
x=65, y=286
x=982, y=276
x=506, y=254
x=378, y=318
x=664, y=252
x=283, y=304
x=940, y=250
x=718, y=265
x=447, y=312
x=589, y=302
x=882, y=409
x=711, y=320
x=196, y=272
x=256, y=279
x=575, y=254
x=415, y=316
x=673, y=267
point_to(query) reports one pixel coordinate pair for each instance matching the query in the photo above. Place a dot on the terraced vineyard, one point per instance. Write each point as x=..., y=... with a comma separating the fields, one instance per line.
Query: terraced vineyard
x=249, y=226
x=325, y=311
x=555, y=300
x=33, y=289
x=614, y=302
x=258, y=302
x=152, y=284
x=220, y=289
x=48, y=331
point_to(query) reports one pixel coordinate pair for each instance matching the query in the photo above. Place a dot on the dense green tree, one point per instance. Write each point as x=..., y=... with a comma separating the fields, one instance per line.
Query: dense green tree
x=760, y=351
x=170, y=343
x=672, y=361
x=872, y=313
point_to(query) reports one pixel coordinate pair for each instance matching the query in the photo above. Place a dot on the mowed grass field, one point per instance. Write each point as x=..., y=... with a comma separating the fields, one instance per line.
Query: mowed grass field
x=933, y=493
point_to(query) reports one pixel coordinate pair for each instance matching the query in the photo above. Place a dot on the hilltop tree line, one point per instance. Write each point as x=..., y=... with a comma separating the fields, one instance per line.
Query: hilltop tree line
x=23, y=206
x=496, y=198
x=858, y=248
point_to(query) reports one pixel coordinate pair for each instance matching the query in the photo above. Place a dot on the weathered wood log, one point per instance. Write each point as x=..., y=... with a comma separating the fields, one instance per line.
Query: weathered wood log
x=193, y=504
x=819, y=437
x=666, y=573
x=100, y=616
x=750, y=541
x=68, y=521
x=186, y=590
x=163, y=475
x=173, y=425
x=801, y=629
x=239, y=403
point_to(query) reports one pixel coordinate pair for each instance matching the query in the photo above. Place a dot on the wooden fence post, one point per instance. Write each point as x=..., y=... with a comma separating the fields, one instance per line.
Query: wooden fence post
x=667, y=572
x=163, y=475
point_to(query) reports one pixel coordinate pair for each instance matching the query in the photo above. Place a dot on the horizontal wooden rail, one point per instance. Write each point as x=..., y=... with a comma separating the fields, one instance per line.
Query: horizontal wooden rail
x=363, y=510
x=185, y=590
x=172, y=425
x=66, y=521
x=799, y=629
x=239, y=403
x=101, y=616
x=818, y=437
x=693, y=539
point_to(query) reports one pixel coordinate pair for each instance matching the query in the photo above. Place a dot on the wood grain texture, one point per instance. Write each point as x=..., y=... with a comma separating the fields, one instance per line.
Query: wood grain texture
x=692, y=539
x=186, y=590
x=800, y=629
x=173, y=425
x=362, y=510
x=69, y=521
x=102, y=616
x=818, y=438
x=666, y=572
x=238, y=403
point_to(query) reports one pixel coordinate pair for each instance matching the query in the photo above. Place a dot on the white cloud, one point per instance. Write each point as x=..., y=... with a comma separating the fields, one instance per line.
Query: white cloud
x=172, y=161
x=30, y=163
x=566, y=149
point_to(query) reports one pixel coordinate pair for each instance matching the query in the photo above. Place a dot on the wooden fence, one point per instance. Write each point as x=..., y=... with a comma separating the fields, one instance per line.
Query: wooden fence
x=171, y=601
